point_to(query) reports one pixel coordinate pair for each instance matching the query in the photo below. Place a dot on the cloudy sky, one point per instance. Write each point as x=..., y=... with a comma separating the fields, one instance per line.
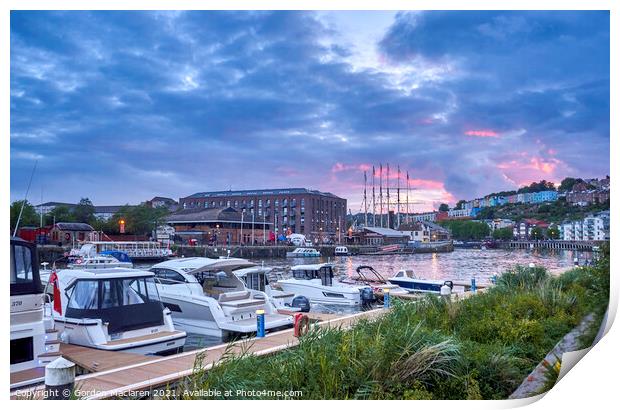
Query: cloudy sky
x=122, y=106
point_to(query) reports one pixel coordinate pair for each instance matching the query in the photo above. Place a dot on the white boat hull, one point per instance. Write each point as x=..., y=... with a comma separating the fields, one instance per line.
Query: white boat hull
x=318, y=293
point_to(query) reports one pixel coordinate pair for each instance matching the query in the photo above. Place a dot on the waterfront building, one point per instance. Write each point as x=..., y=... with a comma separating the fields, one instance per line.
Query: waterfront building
x=163, y=202
x=428, y=216
x=459, y=213
x=318, y=215
x=544, y=196
x=70, y=233
x=219, y=226
x=417, y=231
x=499, y=223
x=105, y=212
x=591, y=228
x=523, y=229
x=48, y=207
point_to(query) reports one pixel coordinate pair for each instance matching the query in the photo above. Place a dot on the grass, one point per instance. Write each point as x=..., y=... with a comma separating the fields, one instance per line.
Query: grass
x=479, y=348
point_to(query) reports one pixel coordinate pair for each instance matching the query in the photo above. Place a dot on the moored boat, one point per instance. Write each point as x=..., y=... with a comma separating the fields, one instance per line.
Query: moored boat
x=111, y=309
x=303, y=253
x=206, y=297
x=407, y=280
x=317, y=283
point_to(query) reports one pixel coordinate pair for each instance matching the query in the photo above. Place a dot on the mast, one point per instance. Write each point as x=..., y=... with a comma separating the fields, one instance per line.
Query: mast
x=398, y=197
x=387, y=181
x=365, y=203
x=374, y=208
x=381, y=195
x=408, y=218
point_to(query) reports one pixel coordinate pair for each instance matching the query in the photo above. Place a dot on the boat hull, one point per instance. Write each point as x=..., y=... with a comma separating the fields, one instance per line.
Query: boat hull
x=418, y=285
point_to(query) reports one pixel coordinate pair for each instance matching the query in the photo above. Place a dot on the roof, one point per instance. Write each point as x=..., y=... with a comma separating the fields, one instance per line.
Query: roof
x=260, y=192
x=198, y=215
x=163, y=198
x=73, y=226
x=66, y=276
x=387, y=232
x=191, y=265
x=55, y=204
x=435, y=226
x=108, y=209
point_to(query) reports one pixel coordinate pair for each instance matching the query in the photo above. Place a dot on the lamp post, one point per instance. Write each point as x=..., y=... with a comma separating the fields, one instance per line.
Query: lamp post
x=252, y=227
x=241, y=235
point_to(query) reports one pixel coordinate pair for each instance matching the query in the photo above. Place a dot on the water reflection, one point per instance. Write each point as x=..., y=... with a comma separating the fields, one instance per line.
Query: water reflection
x=460, y=264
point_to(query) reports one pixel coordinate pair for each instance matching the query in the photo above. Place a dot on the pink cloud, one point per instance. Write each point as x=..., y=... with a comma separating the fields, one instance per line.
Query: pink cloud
x=526, y=169
x=340, y=167
x=482, y=133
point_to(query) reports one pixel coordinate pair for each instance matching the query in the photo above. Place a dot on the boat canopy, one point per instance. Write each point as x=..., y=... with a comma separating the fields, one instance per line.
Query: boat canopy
x=25, y=278
x=123, y=303
x=119, y=255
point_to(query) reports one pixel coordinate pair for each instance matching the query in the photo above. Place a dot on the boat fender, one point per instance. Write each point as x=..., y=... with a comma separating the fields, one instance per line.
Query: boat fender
x=445, y=290
x=302, y=324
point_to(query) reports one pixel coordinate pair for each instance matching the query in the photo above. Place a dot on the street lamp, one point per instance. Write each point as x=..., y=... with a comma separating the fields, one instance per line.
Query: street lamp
x=241, y=235
x=252, y=226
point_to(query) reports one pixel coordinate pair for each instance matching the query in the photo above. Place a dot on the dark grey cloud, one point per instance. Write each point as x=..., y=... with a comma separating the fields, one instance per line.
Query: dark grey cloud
x=121, y=106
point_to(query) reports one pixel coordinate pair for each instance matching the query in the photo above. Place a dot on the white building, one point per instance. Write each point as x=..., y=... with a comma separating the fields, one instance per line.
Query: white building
x=429, y=216
x=459, y=213
x=589, y=229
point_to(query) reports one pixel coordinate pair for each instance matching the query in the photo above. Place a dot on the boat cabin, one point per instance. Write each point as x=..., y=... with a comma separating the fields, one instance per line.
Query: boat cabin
x=25, y=278
x=124, y=299
x=405, y=273
x=324, y=272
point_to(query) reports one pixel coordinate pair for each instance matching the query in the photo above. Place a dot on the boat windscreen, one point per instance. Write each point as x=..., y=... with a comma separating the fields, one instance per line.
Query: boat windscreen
x=125, y=304
x=24, y=269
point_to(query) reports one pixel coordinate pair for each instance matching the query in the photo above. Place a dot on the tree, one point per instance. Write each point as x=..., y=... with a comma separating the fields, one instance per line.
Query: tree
x=84, y=211
x=568, y=183
x=486, y=213
x=459, y=204
x=537, y=233
x=29, y=215
x=504, y=234
x=140, y=219
x=61, y=213
x=467, y=230
x=553, y=232
x=444, y=208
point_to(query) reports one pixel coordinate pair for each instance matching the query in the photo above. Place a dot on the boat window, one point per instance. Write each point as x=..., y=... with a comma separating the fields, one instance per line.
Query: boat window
x=84, y=295
x=168, y=276
x=326, y=275
x=21, y=265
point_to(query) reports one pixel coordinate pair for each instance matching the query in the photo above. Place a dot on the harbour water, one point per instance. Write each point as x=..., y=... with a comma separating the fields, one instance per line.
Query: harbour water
x=462, y=264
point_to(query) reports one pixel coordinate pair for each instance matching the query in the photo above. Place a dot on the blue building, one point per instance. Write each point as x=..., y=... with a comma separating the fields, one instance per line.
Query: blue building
x=544, y=196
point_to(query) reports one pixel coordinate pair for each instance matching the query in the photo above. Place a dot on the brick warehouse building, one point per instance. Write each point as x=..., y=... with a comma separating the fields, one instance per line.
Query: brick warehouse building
x=316, y=214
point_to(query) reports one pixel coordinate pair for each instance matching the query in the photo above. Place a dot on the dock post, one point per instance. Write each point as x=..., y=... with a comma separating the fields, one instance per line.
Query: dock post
x=260, y=323
x=59, y=379
x=473, y=285
x=386, y=298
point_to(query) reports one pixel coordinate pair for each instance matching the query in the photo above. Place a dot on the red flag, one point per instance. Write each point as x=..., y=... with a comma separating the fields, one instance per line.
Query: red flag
x=57, y=301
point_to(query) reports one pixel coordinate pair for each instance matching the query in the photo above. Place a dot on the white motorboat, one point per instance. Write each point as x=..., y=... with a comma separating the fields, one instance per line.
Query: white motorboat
x=406, y=279
x=317, y=283
x=341, y=251
x=111, y=309
x=33, y=345
x=303, y=253
x=207, y=298
x=256, y=278
x=98, y=262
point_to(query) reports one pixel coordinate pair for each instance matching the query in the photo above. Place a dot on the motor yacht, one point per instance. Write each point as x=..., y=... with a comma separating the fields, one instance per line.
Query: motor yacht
x=113, y=309
x=257, y=278
x=303, y=253
x=406, y=279
x=207, y=298
x=33, y=344
x=367, y=275
x=98, y=262
x=317, y=283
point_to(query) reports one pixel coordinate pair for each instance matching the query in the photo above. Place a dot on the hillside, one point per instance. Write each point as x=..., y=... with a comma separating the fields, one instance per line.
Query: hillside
x=557, y=211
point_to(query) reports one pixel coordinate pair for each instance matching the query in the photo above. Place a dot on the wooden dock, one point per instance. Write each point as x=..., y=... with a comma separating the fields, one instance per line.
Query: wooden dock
x=128, y=378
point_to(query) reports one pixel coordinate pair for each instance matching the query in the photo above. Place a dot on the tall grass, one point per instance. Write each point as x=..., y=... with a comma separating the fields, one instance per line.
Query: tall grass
x=480, y=347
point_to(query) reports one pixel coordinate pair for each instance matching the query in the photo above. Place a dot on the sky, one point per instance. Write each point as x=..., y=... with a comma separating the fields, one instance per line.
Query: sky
x=123, y=106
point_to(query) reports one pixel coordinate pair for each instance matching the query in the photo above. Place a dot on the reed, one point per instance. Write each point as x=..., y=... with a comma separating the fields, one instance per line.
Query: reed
x=480, y=347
